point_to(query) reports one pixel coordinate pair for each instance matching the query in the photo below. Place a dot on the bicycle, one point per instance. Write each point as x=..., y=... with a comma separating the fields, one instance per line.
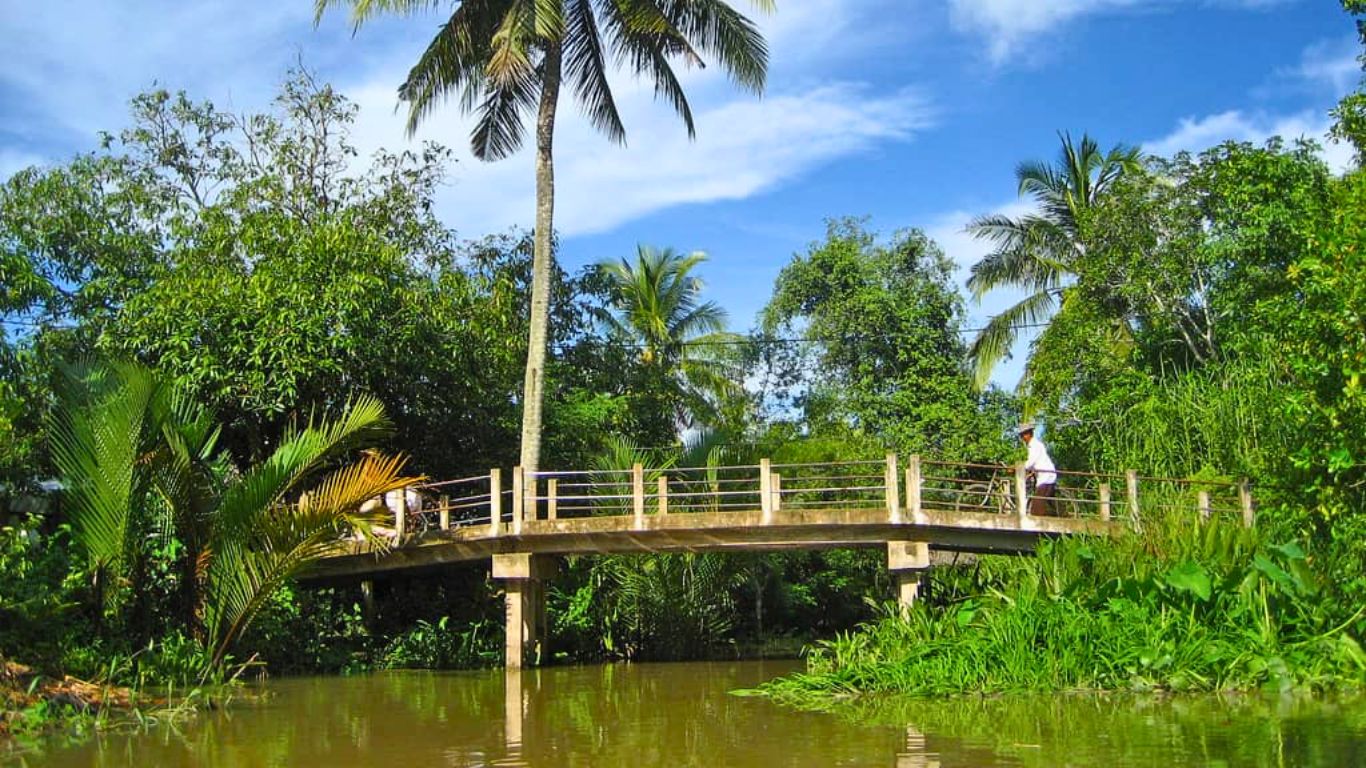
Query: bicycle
x=996, y=495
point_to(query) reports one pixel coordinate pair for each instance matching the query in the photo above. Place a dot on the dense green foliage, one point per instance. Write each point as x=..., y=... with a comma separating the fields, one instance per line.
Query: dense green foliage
x=1193, y=607
x=881, y=354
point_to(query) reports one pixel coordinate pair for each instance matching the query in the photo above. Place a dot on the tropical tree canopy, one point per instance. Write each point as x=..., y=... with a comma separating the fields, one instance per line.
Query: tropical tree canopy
x=1037, y=252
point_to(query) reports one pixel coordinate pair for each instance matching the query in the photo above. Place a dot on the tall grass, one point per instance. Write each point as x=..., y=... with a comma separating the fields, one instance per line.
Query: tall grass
x=1231, y=420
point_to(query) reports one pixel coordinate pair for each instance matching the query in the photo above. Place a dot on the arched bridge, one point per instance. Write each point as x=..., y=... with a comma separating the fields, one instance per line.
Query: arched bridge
x=909, y=507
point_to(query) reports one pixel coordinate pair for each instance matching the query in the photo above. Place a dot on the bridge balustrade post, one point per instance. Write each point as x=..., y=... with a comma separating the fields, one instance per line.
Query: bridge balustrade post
x=1104, y=501
x=913, y=485
x=552, y=502
x=518, y=479
x=765, y=491
x=1245, y=501
x=531, y=487
x=638, y=495
x=400, y=515
x=495, y=501
x=1021, y=495
x=662, y=495
x=445, y=513
x=892, y=489
x=1131, y=488
x=1202, y=504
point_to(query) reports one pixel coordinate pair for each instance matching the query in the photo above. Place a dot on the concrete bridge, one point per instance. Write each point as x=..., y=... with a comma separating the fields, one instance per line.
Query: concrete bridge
x=909, y=508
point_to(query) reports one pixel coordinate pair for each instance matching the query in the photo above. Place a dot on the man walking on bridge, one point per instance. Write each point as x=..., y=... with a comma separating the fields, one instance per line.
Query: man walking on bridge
x=1040, y=465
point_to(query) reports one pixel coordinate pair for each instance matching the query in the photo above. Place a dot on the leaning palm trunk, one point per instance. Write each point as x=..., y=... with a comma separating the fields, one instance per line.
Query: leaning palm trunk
x=539, y=330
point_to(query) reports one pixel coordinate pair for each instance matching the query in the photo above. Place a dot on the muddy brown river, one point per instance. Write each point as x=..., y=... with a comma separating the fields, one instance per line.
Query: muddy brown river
x=643, y=715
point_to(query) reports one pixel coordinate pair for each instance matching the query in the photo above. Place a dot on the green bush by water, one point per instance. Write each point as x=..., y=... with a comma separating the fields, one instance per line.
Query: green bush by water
x=1181, y=607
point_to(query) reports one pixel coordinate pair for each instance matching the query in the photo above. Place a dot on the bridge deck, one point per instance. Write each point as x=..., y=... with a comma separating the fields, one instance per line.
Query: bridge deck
x=709, y=532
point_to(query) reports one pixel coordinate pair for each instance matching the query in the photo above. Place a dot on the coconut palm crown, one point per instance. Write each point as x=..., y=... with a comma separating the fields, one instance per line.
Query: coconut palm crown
x=656, y=306
x=1037, y=252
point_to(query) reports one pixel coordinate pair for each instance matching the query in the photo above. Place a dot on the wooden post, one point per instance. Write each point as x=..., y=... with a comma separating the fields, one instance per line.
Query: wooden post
x=1021, y=494
x=445, y=513
x=552, y=502
x=766, y=491
x=638, y=495
x=913, y=485
x=1245, y=501
x=663, y=494
x=495, y=501
x=1202, y=503
x=892, y=492
x=517, y=500
x=1104, y=501
x=1131, y=488
x=776, y=480
x=401, y=515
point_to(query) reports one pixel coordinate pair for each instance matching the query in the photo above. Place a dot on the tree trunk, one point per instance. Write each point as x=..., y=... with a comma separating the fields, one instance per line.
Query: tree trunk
x=533, y=387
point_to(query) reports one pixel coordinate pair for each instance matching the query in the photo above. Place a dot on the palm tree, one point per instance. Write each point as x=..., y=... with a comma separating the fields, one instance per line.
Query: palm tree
x=657, y=307
x=139, y=461
x=506, y=58
x=1038, y=251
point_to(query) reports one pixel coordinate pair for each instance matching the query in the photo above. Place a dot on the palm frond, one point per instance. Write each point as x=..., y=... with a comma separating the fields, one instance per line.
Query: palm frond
x=247, y=566
x=993, y=342
x=98, y=440
x=299, y=455
x=364, y=10
x=586, y=65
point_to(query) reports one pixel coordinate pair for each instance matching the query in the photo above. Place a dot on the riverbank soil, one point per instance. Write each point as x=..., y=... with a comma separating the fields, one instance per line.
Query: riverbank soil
x=30, y=700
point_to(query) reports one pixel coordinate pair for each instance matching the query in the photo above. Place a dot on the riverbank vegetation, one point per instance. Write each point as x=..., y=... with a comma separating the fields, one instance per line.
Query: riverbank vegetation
x=220, y=332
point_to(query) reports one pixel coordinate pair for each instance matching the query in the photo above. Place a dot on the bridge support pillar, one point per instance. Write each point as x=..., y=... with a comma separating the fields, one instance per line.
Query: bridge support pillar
x=908, y=561
x=523, y=577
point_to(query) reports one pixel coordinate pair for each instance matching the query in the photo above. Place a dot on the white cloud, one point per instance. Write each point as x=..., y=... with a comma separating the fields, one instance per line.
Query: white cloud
x=77, y=63
x=74, y=65
x=1195, y=134
x=1330, y=64
x=1007, y=23
x=744, y=146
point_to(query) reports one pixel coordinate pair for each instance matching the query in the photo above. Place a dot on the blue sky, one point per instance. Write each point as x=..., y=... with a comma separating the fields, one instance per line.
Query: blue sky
x=912, y=112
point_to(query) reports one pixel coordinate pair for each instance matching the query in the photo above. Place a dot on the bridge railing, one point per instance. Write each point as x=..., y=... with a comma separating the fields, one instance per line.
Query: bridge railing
x=905, y=489
x=765, y=487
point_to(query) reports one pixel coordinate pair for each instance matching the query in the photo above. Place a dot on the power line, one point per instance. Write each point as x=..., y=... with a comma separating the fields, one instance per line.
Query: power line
x=739, y=341
x=782, y=340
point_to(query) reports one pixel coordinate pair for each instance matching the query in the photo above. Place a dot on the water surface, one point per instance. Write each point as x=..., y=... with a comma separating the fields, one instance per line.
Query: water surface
x=681, y=715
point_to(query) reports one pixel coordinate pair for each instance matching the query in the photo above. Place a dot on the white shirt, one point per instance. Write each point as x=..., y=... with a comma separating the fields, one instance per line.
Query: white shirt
x=1041, y=464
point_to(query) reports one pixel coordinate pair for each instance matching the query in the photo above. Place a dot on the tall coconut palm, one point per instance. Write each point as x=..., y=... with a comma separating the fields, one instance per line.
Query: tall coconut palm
x=506, y=59
x=657, y=306
x=139, y=461
x=1037, y=252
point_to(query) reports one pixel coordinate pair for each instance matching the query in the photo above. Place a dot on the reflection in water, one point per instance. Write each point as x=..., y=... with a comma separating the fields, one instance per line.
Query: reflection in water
x=680, y=715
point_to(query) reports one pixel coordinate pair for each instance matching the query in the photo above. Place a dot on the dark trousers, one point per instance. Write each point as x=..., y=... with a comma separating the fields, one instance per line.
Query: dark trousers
x=1038, y=503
